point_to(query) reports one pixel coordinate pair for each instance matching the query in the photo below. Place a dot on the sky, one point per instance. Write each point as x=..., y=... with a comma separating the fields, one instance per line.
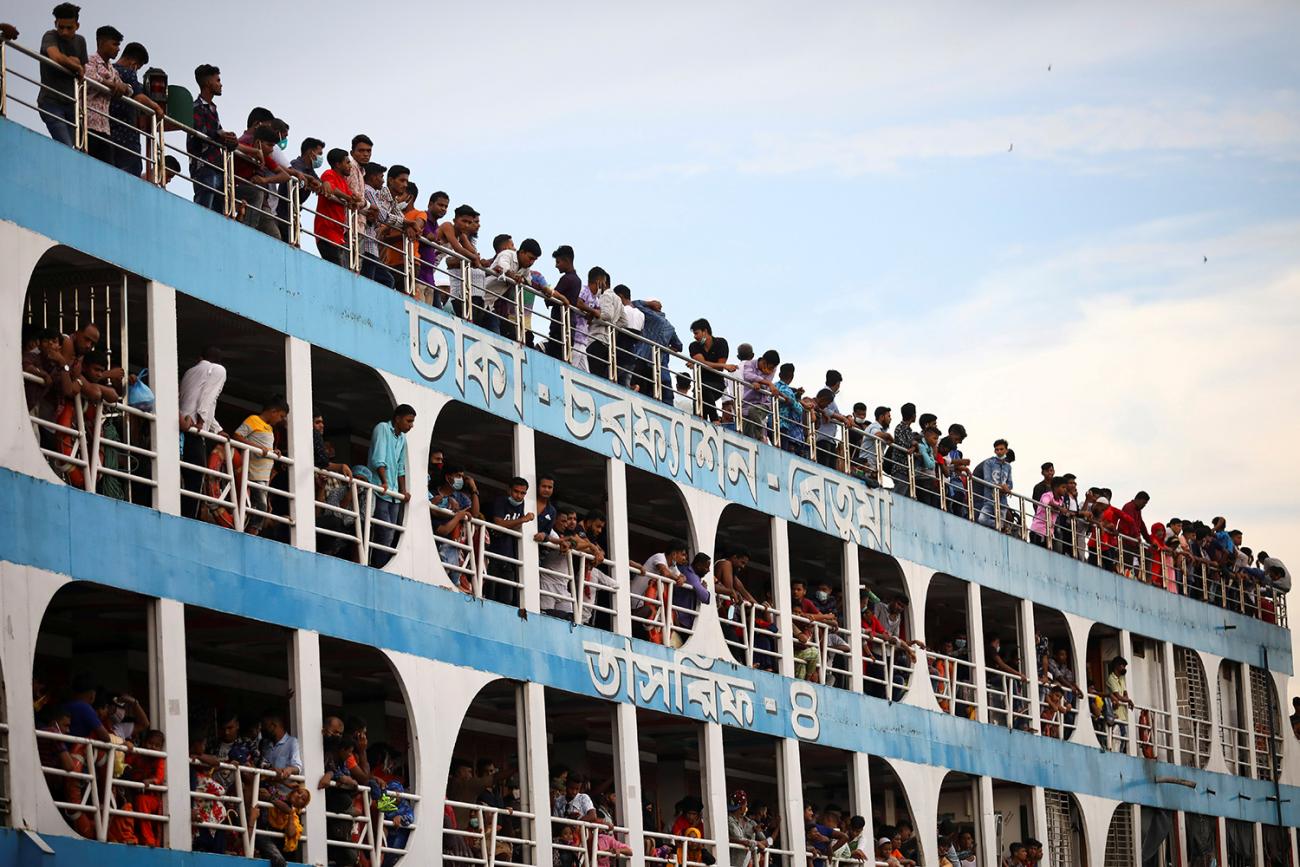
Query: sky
x=1075, y=225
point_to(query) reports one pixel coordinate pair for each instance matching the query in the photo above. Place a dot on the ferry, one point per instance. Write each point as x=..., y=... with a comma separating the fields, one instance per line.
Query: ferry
x=307, y=563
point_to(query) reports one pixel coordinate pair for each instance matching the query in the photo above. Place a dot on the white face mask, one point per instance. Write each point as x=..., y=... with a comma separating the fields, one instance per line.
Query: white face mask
x=119, y=714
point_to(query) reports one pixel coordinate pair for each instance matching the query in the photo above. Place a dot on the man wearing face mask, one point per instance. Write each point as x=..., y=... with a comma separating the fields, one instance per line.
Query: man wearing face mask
x=454, y=502
x=507, y=511
x=311, y=156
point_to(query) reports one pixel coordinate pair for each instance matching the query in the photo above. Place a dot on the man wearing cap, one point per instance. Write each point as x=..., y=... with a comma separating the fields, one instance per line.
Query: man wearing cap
x=885, y=852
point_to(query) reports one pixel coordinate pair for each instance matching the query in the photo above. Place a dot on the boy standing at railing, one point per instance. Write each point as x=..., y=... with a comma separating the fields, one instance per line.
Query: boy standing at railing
x=67, y=49
x=258, y=433
x=108, y=42
x=387, y=460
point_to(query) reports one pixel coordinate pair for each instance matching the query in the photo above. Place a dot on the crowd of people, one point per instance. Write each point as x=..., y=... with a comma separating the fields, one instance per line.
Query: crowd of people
x=586, y=823
x=245, y=776
x=611, y=333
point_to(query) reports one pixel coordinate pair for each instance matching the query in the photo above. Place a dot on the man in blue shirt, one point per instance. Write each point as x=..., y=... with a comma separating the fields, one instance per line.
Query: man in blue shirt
x=992, y=474
x=387, y=461
x=658, y=329
x=688, y=595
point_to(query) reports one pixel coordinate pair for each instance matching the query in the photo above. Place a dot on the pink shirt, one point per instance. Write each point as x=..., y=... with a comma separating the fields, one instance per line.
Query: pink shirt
x=101, y=70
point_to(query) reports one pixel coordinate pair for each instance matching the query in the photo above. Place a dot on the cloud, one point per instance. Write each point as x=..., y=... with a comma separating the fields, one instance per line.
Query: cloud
x=1083, y=132
x=1189, y=393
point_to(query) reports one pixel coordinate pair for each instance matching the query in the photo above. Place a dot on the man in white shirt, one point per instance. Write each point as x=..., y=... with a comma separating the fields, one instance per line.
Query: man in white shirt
x=507, y=273
x=609, y=316
x=633, y=372
x=877, y=430
x=200, y=388
x=666, y=564
x=556, y=573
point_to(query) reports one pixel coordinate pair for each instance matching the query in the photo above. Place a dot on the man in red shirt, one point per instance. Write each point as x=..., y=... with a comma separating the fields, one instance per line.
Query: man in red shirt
x=1106, y=536
x=1136, y=525
x=331, y=223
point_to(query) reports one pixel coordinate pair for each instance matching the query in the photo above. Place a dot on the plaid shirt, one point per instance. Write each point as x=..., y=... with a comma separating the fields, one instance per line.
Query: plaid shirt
x=208, y=123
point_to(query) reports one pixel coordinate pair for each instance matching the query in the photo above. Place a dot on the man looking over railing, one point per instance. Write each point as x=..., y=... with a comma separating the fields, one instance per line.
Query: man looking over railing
x=608, y=316
x=100, y=69
x=124, y=131
x=992, y=482
x=256, y=171
x=756, y=402
x=711, y=353
x=258, y=433
x=657, y=330
x=508, y=512
x=66, y=48
x=387, y=460
x=331, y=226
x=207, y=149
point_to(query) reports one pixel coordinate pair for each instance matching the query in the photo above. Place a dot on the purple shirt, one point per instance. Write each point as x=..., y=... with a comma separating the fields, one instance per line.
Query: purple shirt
x=689, y=597
x=752, y=375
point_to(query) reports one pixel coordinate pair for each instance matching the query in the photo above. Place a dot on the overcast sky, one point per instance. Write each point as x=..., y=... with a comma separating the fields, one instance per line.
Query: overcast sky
x=1073, y=225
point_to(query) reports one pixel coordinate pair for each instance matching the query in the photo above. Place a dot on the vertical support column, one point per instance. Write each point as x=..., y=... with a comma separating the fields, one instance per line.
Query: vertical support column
x=616, y=527
x=1180, y=835
x=164, y=379
x=790, y=784
x=1220, y=841
x=1171, y=701
x=1258, y=855
x=306, y=710
x=1130, y=737
x=536, y=766
x=302, y=504
x=975, y=607
x=860, y=794
x=714, y=783
x=986, y=839
x=852, y=607
x=525, y=449
x=1038, y=802
x=170, y=708
x=1029, y=664
x=781, y=593
x=627, y=778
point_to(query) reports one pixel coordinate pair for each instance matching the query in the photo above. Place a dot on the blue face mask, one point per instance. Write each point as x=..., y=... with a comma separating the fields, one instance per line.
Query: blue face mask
x=457, y=483
x=822, y=596
x=515, y=502
x=284, y=143
x=318, y=162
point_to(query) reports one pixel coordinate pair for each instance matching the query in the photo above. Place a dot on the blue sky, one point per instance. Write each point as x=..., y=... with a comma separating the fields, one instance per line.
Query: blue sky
x=834, y=181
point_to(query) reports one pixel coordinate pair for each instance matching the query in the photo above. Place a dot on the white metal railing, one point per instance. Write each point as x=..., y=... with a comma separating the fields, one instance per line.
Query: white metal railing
x=683, y=851
x=478, y=844
x=468, y=557
x=953, y=682
x=1154, y=729
x=658, y=612
x=227, y=493
x=1268, y=757
x=95, y=788
x=355, y=510
x=765, y=856
x=1113, y=731
x=1238, y=751
x=888, y=665
x=233, y=811
x=1195, y=741
x=369, y=830
x=752, y=631
x=1008, y=701
x=571, y=582
x=588, y=847
x=82, y=453
x=832, y=643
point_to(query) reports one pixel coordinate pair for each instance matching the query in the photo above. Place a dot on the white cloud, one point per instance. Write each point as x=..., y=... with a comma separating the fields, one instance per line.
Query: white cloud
x=1271, y=131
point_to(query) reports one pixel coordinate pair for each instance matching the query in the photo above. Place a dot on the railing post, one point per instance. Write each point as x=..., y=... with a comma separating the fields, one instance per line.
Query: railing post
x=228, y=182
x=466, y=291
x=295, y=212
x=534, y=771
x=1029, y=665
x=697, y=387
x=81, y=132
x=157, y=164
x=4, y=78
x=656, y=371
x=520, y=336
x=408, y=267
x=975, y=629
x=354, y=239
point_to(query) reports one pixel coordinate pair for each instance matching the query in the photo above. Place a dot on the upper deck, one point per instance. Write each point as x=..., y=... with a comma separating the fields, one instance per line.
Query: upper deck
x=715, y=487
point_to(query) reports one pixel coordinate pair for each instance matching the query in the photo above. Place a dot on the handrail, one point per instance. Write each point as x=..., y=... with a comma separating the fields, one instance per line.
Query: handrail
x=488, y=835
x=242, y=799
x=93, y=788
x=233, y=504
x=361, y=494
x=681, y=847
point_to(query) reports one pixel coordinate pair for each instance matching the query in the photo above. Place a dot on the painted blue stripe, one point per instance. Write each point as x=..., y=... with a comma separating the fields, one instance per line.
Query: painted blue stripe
x=298, y=294
x=201, y=564
x=17, y=851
